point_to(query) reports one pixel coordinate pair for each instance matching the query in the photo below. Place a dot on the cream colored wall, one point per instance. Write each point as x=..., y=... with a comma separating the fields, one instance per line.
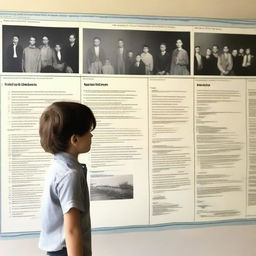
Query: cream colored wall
x=238, y=9
x=222, y=241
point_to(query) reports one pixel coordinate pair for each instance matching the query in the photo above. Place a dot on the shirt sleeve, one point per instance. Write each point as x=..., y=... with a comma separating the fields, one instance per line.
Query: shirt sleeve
x=70, y=192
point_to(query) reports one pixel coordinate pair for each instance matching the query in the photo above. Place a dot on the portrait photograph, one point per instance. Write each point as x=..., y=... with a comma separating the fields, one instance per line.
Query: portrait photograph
x=32, y=49
x=218, y=54
x=134, y=52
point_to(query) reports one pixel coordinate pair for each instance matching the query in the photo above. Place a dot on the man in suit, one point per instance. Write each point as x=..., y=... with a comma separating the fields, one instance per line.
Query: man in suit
x=248, y=63
x=163, y=61
x=95, y=57
x=198, y=61
x=60, y=61
x=48, y=57
x=72, y=54
x=129, y=61
x=13, y=56
x=180, y=60
x=225, y=62
x=241, y=71
x=120, y=57
x=215, y=53
x=235, y=58
x=147, y=59
x=138, y=67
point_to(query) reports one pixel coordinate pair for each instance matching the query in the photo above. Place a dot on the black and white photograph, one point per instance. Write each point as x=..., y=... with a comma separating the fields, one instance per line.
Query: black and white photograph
x=40, y=49
x=218, y=54
x=111, y=188
x=134, y=52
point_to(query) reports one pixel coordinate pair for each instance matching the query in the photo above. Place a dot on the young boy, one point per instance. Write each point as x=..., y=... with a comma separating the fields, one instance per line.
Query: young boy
x=65, y=131
x=147, y=59
x=107, y=68
x=61, y=64
x=138, y=67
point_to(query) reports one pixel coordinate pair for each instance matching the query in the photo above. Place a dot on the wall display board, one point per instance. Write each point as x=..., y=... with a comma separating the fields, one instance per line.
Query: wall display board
x=175, y=102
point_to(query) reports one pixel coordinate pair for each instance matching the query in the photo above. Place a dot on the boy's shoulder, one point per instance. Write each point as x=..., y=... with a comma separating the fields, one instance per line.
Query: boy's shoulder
x=60, y=169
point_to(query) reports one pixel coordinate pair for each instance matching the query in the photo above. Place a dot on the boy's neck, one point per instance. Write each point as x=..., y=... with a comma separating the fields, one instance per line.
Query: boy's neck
x=72, y=152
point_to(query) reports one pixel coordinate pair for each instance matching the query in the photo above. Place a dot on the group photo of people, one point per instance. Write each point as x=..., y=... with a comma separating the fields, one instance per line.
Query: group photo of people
x=40, y=49
x=136, y=52
x=224, y=54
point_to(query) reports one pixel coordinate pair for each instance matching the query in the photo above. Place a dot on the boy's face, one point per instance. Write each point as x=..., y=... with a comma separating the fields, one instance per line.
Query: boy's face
x=15, y=40
x=179, y=43
x=130, y=54
x=225, y=49
x=215, y=49
x=45, y=40
x=72, y=39
x=241, y=50
x=145, y=49
x=57, y=47
x=162, y=48
x=83, y=143
x=96, y=42
x=208, y=52
x=248, y=51
x=138, y=58
x=32, y=41
x=121, y=44
x=197, y=49
x=234, y=52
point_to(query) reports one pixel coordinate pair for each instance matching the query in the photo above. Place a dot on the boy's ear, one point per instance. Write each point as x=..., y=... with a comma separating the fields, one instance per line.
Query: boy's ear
x=73, y=139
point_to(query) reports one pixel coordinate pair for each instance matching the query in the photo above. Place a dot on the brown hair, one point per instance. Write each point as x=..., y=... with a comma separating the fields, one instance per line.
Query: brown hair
x=60, y=121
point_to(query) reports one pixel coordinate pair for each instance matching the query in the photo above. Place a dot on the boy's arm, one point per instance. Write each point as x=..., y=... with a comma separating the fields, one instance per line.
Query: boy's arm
x=73, y=234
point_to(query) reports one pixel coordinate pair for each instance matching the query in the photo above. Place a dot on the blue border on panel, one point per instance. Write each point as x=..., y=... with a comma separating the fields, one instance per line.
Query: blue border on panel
x=130, y=19
x=143, y=228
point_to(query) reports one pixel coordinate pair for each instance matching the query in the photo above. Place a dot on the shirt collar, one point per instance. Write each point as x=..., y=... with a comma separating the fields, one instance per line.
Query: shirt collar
x=66, y=157
x=70, y=160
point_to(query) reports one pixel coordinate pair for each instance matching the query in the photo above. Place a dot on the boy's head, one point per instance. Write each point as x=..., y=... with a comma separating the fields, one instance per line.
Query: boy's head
x=32, y=40
x=241, y=50
x=138, y=58
x=208, y=52
x=248, y=50
x=96, y=41
x=57, y=47
x=120, y=43
x=45, y=40
x=179, y=43
x=197, y=49
x=225, y=49
x=163, y=47
x=15, y=39
x=60, y=121
x=145, y=48
x=107, y=62
x=72, y=38
x=234, y=52
x=130, y=54
x=215, y=48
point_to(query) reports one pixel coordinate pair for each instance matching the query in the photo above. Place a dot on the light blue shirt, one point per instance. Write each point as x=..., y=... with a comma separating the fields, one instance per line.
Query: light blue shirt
x=66, y=188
